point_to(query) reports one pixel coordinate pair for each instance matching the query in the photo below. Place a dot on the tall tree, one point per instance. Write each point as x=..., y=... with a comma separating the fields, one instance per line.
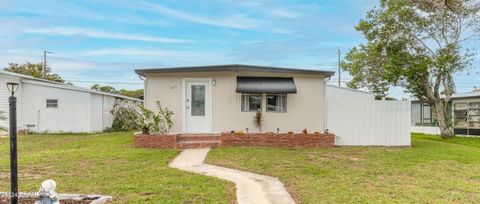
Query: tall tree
x=106, y=89
x=416, y=44
x=109, y=89
x=34, y=69
x=476, y=89
x=132, y=93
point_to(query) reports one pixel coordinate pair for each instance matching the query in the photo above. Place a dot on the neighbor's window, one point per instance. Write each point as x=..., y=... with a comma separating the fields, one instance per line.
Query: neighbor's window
x=276, y=103
x=251, y=102
x=52, y=103
x=416, y=114
x=427, y=115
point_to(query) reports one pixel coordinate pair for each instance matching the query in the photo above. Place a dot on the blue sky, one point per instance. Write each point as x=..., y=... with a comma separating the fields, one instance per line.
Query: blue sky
x=104, y=41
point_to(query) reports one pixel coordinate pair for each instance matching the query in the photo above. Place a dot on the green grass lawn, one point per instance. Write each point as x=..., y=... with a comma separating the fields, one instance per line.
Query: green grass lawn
x=108, y=164
x=431, y=171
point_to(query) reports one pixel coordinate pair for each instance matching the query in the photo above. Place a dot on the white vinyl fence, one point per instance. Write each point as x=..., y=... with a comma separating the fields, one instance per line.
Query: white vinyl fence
x=369, y=122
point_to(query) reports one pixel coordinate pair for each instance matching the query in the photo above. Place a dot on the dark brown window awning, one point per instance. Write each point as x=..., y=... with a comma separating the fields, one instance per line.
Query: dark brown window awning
x=277, y=85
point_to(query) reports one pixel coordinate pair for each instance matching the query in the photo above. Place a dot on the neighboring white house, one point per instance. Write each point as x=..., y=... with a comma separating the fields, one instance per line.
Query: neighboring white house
x=46, y=106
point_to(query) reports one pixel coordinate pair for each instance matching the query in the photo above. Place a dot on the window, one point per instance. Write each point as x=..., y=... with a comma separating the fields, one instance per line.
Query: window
x=416, y=114
x=276, y=103
x=251, y=102
x=52, y=103
x=427, y=115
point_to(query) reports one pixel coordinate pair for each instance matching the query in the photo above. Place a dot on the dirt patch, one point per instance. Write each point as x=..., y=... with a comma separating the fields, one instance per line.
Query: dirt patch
x=232, y=193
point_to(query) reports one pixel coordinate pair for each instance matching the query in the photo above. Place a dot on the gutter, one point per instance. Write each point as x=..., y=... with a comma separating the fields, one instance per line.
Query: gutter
x=325, y=123
x=144, y=87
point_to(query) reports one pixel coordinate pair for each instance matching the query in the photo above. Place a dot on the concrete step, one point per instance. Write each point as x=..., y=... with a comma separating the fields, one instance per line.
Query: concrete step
x=197, y=144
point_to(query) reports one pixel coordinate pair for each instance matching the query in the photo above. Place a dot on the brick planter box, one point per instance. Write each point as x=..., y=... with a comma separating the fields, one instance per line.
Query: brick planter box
x=155, y=141
x=277, y=140
x=182, y=141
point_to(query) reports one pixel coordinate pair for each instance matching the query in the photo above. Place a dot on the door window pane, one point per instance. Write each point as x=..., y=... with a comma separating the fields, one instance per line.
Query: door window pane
x=198, y=100
x=251, y=102
x=276, y=103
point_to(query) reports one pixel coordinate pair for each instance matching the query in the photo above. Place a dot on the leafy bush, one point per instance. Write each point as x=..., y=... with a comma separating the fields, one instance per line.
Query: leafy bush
x=156, y=122
x=126, y=117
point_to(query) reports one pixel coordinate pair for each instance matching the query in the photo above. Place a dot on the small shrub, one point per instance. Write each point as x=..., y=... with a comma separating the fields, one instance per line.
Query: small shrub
x=290, y=132
x=317, y=133
x=156, y=122
x=305, y=131
x=240, y=132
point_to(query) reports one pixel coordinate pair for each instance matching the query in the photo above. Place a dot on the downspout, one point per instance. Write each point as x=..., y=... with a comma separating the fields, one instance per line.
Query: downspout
x=325, y=104
x=144, y=88
x=103, y=111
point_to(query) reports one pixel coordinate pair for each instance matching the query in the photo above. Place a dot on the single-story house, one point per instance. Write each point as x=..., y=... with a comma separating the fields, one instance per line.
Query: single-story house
x=46, y=106
x=224, y=98
x=465, y=115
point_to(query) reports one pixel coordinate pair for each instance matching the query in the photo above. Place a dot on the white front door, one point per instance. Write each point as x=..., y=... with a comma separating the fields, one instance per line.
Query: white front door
x=198, y=106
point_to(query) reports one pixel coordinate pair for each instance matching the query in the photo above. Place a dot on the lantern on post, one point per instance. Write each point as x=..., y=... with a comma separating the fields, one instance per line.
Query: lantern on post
x=12, y=101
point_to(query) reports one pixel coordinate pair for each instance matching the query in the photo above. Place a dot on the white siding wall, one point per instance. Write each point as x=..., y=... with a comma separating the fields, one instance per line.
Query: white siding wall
x=426, y=129
x=305, y=109
x=4, y=94
x=72, y=114
x=369, y=123
x=342, y=93
x=107, y=116
x=96, y=112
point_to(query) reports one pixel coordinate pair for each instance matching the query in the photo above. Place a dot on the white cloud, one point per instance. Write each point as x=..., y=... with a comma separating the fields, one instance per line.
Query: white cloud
x=235, y=21
x=101, y=34
x=283, y=13
x=167, y=55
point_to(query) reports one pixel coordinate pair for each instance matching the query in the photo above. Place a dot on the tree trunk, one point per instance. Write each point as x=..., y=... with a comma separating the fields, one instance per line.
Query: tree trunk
x=441, y=114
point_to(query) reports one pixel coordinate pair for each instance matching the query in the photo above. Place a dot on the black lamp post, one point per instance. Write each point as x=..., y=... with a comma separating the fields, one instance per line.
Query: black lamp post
x=12, y=101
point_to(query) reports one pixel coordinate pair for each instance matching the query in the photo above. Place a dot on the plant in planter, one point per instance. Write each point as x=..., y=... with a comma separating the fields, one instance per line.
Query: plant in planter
x=258, y=120
x=305, y=131
x=156, y=122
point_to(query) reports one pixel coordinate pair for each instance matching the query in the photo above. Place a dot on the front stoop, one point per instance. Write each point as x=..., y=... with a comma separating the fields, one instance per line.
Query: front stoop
x=189, y=141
